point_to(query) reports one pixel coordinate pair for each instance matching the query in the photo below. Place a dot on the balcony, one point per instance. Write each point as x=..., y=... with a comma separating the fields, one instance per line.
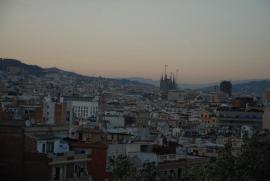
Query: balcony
x=69, y=157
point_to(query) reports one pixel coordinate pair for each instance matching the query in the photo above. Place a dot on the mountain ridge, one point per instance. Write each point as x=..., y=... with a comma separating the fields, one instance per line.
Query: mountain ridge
x=13, y=65
x=256, y=86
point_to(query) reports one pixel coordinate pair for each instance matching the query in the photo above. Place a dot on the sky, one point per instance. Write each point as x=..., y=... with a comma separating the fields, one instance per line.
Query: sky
x=207, y=40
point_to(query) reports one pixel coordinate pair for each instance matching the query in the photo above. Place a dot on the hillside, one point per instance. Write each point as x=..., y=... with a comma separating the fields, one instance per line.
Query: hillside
x=13, y=66
x=256, y=87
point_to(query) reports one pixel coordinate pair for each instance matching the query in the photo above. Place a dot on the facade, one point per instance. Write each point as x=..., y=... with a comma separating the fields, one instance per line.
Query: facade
x=167, y=83
x=80, y=108
x=218, y=98
x=236, y=118
x=48, y=110
x=97, y=167
x=40, y=153
x=176, y=96
x=114, y=119
x=53, y=112
x=208, y=118
x=91, y=135
x=226, y=87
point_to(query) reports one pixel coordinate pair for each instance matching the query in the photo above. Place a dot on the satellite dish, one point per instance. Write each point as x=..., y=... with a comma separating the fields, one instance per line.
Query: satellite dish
x=28, y=123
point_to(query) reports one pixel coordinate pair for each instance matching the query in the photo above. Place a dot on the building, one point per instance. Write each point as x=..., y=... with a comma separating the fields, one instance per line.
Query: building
x=48, y=110
x=168, y=162
x=235, y=118
x=226, y=87
x=266, y=118
x=167, y=83
x=53, y=112
x=35, y=152
x=80, y=108
x=91, y=135
x=114, y=119
x=267, y=94
x=243, y=102
x=219, y=98
x=266, y=98
x=208, y=118
x=97, y=167
x=175, y=95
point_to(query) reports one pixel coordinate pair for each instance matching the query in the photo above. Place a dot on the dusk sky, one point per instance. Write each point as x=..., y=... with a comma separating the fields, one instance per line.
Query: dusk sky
x=207, y=40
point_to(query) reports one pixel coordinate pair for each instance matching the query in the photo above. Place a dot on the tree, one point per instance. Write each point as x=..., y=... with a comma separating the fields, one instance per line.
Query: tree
x=149, y=172
x=123, y=169
x=252, y=164
x=224, y=167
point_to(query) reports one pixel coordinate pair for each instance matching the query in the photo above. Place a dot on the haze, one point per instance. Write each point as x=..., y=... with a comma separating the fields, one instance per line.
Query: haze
x=207, y=40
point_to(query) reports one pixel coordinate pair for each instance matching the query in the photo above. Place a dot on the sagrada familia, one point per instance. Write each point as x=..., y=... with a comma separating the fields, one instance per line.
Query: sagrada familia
x=167, y=83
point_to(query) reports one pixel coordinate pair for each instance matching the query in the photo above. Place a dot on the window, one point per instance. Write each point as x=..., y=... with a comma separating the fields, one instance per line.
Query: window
x=43, y=148
x=80, y=170
x=58, y=173
x=50, y=147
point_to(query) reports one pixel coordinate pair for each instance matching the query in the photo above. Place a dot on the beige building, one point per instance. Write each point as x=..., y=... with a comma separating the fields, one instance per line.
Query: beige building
x=208, y=118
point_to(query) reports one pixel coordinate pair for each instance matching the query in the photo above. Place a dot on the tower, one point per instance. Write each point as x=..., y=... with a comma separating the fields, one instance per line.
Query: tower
x=226, y=87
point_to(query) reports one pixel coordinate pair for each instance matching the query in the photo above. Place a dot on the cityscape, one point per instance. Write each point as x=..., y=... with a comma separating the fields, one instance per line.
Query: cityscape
x=107, y=91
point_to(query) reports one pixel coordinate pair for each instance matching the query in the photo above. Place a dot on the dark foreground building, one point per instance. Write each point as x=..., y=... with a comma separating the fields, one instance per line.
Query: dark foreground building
x=40, y=153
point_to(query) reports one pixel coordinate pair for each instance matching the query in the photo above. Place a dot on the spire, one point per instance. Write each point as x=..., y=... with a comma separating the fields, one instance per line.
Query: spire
x=165, y=73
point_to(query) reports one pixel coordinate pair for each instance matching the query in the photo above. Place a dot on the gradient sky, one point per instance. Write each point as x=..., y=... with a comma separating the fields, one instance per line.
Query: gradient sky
x=207, y=40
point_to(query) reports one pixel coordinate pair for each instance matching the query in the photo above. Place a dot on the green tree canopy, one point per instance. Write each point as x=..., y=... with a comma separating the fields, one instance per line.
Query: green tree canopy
x=252, y=164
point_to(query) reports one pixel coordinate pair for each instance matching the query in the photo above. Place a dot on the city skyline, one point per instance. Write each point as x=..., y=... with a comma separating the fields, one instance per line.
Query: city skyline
x=207, y=41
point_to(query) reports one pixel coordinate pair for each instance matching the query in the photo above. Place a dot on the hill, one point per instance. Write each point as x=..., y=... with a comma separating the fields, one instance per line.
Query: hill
x=256, y=87
x=13, y=66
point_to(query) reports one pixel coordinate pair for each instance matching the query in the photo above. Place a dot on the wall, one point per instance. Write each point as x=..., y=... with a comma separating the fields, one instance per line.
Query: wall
x=59, y=113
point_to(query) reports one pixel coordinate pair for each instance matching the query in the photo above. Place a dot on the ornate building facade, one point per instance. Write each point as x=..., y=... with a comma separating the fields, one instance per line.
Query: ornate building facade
x=167, y=83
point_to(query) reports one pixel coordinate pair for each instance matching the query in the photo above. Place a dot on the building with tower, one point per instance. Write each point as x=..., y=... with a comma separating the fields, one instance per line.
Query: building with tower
x=167, y=83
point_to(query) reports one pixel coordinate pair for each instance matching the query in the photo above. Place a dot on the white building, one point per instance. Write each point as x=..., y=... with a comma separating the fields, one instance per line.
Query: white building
x=55, y=145
x=48, y=110
x=80, y=108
